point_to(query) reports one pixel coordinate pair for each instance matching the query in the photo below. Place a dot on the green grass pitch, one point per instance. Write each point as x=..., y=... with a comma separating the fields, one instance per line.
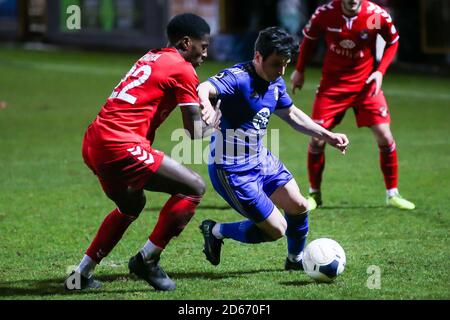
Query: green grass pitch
x=51, y=205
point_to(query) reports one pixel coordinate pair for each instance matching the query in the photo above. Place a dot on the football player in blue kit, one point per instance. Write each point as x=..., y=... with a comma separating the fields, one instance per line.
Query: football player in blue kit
x=246, y=174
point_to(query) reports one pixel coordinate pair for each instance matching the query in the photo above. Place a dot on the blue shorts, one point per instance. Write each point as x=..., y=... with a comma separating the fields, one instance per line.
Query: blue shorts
x=248, y=192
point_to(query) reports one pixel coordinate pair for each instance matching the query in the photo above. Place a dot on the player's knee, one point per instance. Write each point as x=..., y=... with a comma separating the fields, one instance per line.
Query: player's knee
x=140, y=204
x=298, y=206
x=384, y=137
x=316, y=145
x=198, y=186
x=278, y=231
x=385, y=143
x=132, y=204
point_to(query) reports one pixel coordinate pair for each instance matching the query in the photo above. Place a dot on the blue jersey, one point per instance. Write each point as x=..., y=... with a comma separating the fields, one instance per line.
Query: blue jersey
x=247, y=102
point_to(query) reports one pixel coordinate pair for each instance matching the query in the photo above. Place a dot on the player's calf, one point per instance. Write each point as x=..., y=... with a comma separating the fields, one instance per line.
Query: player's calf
x=275, y=233
x=274, y=227
x=316, y=164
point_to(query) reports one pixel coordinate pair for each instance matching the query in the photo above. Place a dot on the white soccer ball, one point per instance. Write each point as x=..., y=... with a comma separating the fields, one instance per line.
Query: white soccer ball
x=323, y=259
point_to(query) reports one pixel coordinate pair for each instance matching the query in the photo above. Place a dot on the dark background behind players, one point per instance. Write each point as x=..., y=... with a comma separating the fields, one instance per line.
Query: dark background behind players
x=235, y=23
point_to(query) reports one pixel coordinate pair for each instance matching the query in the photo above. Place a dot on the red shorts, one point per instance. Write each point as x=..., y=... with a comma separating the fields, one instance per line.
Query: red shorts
x=328, y=111
x=122, y=165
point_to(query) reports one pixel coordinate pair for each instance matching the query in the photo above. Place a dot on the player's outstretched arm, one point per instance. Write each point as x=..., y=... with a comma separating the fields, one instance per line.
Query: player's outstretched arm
x=301, y=122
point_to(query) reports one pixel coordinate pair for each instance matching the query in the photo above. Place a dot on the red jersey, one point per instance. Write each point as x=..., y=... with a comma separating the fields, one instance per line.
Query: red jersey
x=351, y=44
x=158, y=82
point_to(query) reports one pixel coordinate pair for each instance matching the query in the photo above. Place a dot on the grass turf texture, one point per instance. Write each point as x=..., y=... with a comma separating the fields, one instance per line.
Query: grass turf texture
x=51, y=205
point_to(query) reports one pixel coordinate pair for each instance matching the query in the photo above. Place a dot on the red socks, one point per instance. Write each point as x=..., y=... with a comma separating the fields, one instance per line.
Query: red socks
x=389, y=165
x=173, y=218
x=108, y=235
x=316, y=165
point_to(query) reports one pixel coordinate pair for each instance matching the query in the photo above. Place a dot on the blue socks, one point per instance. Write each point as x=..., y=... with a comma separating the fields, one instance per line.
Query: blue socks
x=243, y=231
x=297, y=230
x=247, y=232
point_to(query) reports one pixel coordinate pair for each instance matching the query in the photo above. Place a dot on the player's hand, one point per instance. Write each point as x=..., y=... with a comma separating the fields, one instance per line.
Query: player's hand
x=216, y=122
x=211, y=115
x=377, y=76
x=208, y=112
x=339, y=141
x=297, y=80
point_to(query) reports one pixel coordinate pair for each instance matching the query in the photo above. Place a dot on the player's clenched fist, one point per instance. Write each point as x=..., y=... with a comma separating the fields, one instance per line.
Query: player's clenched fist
x=339, y=141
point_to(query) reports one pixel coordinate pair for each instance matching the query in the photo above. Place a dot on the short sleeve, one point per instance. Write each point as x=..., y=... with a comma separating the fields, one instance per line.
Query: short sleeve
x=186, y=87
x=381, y=20
x=284, y=100
x=224, y=82
x=388, y=30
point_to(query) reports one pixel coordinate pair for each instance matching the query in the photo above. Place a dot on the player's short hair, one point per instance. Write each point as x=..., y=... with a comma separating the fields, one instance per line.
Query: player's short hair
x=276, y=40
x=186, y=24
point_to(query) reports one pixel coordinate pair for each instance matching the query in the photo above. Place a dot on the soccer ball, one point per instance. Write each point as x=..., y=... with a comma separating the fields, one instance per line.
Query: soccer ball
x=323, y=260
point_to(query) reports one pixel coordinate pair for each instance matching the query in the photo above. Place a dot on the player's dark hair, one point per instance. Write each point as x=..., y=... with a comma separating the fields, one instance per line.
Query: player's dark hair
x=186, y=24
x=276, y=40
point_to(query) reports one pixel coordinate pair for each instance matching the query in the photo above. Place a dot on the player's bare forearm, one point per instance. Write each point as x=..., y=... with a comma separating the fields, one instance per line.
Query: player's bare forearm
x=192, y=121
x=206, y=91
x=301, y=122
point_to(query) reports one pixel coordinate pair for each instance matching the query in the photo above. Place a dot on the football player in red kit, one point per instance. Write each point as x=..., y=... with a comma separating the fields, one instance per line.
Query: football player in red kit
x=117, y=147
x=351, y=78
